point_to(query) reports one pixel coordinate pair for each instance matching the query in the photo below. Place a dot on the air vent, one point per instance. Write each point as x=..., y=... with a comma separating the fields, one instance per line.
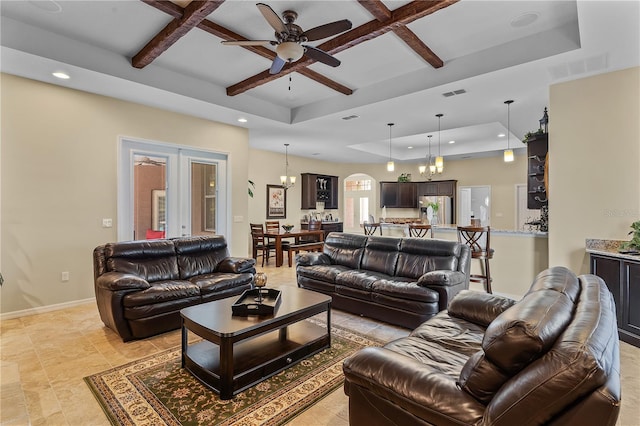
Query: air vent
x=588, y=65
x=350, y=117
x=453, y=93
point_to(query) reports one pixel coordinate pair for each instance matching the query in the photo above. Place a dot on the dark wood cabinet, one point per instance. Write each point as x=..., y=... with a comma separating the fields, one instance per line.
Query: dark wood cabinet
x=537, y=149
x=319, y=188
x=437, y=187
x=427, y=188
x=623, y=280
x=326, y=227
x=398, y=195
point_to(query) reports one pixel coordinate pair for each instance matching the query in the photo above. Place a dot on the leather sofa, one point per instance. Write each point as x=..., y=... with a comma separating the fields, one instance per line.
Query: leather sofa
x=402, y=281
x=141, y=286
x=551, y=358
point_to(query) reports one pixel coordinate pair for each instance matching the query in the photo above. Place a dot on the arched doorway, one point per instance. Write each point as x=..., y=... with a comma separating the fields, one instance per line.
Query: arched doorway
x=360, y=200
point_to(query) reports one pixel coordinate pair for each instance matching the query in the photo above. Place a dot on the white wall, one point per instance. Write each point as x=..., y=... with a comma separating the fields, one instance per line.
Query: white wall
x=594, y=154
x=59, y=181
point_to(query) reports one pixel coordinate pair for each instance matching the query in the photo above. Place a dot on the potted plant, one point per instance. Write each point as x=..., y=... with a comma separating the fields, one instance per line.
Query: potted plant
x=529, y=136
x=634, y=243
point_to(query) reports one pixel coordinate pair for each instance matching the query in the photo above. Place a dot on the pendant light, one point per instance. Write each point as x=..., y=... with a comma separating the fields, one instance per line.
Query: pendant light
x=390, y=165
x=287, y=181
x=508, y=153
x=429, y=163
x=439, y=160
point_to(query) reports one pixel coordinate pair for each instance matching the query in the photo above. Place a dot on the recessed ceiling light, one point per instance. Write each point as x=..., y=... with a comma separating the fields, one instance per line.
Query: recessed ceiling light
x=409, y=147
x=501, y=135
x=525, y=19
x=242, y=120
x=62, y=75
x=452, y=141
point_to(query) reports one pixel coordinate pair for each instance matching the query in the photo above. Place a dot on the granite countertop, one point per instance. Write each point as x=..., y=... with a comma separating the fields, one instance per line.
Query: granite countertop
x=453, y=228
x=609, y=248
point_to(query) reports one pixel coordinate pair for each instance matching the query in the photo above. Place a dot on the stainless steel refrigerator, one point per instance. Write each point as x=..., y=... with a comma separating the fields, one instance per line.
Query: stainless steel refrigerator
x=444, y=215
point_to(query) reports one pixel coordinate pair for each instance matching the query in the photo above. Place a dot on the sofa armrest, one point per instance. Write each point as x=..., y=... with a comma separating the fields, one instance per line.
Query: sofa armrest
x=477, y=307
x=412, y=385
x=237, y=265
x=441, y=278
x=114, y=281
x=313, y=258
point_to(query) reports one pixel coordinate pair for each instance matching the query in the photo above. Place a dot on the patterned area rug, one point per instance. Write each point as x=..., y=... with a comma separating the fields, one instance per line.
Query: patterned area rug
x=156, y=391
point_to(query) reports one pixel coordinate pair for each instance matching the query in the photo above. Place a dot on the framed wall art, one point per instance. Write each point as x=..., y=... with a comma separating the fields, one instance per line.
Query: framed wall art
x=276, y=202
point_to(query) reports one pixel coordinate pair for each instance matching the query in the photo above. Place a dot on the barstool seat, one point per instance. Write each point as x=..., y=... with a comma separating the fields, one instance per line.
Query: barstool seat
x=478, y=240
x=420, y=230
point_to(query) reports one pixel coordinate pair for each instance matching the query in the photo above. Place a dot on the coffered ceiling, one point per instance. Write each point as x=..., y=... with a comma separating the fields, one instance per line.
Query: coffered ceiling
x=402, y=62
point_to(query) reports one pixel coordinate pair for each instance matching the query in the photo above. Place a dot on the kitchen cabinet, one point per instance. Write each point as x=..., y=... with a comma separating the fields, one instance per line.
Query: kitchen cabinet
x=537, y=148
x=326, y=227
x=437, y=187
x=398, y=195
x=319, y=188
x=623, y=280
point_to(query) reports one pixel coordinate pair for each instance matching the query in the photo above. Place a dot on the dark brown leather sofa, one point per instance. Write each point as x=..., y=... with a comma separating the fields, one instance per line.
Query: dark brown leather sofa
x=402, y=281
x=142, y=285
x=551, y=358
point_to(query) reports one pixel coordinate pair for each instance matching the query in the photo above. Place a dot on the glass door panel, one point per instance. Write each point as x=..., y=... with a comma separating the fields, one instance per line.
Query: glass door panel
x=203, y=198
x=149, y=197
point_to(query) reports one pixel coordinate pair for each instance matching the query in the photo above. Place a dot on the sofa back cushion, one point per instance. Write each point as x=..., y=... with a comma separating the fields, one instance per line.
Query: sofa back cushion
x=151, y=260
x=381, y=254
x=584, y=360
x=200, y=255
x=419, y=256
x=521, y=334
x=345, y=249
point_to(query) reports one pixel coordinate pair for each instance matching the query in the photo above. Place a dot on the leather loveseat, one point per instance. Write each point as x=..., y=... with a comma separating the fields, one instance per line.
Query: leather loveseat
x=402, y=281
x=142, y=285
x=551, y=358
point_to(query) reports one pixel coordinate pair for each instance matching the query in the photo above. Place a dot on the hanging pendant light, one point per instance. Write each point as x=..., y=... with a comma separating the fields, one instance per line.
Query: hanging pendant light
x=439, y=160
x=508, y=153
x=390, y=164
x=287, y=181
x=430, y=165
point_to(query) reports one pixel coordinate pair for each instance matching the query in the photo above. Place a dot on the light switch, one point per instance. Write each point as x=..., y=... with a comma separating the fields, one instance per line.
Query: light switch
x=238, y=219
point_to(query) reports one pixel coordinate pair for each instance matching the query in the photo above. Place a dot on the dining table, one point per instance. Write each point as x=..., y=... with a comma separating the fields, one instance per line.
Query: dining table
x=281, y=234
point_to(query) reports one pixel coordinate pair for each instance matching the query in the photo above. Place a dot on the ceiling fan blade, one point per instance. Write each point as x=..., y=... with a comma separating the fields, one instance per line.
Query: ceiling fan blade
x=246, y=42
x=277, y=65
x=272, y=18
x=321, y=56
x=327, y=30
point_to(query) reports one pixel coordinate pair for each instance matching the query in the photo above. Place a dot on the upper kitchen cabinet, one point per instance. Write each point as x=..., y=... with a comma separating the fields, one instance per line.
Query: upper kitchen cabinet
x=537, y=147
x=437, y=187
x=319, y=188
x=398, y=195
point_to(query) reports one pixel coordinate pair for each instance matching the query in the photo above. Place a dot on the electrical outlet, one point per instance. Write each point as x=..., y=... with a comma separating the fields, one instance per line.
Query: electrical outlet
x=64, y=276
x=107, y=223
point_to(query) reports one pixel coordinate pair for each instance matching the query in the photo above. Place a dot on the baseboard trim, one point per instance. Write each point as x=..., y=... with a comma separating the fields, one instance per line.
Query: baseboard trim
x=43, y=309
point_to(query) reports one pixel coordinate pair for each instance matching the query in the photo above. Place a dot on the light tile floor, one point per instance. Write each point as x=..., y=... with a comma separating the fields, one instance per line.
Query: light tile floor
x=44, y=358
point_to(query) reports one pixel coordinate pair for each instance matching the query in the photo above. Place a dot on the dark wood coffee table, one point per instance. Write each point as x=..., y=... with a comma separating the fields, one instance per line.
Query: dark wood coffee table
x=238, y=352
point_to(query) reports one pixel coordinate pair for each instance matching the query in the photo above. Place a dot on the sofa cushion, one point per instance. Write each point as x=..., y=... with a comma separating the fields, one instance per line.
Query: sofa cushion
x=161, y=291
x=516, y=338
x=326, y=273
x=453, y=333
x=416, y=258
x=404, y=288
x=212, y=283
x=200, y=255
x=381, y=254
x=359, y=279
x=345, y=249
x=478, y=307
x=150, y=260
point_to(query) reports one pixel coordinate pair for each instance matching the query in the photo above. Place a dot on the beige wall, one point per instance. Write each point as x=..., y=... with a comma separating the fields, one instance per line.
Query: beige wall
x=59, y=181
x=594, y=150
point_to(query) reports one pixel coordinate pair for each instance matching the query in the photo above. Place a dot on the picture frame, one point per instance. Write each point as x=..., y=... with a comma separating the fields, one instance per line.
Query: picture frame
x=276, y=202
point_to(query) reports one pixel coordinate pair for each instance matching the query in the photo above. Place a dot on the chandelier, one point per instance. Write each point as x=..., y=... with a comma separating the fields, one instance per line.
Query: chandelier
x=287, y=181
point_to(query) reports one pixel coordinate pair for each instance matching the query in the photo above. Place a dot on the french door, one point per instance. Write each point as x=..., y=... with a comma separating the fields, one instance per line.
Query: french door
x=167, y=191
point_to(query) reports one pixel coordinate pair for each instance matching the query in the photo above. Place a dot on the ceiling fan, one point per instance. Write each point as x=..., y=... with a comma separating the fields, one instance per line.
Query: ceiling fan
x=289, y=39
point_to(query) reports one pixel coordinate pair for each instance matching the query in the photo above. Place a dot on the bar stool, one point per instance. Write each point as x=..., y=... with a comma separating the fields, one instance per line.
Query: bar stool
x=371, y=228
x=477, y=238
x=420, y=230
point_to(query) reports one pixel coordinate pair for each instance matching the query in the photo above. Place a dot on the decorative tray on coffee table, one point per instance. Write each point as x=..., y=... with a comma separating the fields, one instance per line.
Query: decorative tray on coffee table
x=248, y=303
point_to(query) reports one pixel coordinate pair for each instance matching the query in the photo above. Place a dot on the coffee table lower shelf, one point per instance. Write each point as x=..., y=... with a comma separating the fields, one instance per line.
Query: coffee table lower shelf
x=255, y=359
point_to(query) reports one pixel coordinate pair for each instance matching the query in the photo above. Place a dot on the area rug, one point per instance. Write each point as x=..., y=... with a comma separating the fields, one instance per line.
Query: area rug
x=157, y=391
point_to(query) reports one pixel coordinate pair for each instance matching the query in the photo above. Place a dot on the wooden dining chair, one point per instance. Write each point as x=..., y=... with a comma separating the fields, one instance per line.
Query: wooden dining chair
x=274, y=226
x=260, y=246
x=420, y=230
x=478, y=240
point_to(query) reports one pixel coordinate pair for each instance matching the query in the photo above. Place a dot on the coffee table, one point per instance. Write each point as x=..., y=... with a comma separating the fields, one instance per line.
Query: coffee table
x=237, y=352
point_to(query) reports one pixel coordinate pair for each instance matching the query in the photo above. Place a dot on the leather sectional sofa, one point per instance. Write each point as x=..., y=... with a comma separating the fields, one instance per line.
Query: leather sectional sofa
x=551, y=358
x=142, y=285
x=402, y=281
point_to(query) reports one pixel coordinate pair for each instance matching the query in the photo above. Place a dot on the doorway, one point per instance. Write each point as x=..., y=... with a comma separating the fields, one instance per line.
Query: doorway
x=167, y=191
x=359, y=202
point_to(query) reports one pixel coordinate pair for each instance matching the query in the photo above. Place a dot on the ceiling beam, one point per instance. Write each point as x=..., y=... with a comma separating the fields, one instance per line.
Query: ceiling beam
x=382, y=13
x=192, y=15
x=401, y=16
x=226, y=34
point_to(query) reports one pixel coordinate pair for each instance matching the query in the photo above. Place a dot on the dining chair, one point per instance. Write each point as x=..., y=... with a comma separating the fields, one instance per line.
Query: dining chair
x=260, y=245
x=274, y=226
x=314, y=225
x=478, y=240
x=420, y=230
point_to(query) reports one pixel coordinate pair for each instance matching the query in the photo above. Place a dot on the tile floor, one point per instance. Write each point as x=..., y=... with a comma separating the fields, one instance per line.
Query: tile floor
x=44, y=358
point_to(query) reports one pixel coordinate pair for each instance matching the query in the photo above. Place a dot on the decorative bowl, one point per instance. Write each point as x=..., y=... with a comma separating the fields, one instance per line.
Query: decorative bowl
x=287, y=228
